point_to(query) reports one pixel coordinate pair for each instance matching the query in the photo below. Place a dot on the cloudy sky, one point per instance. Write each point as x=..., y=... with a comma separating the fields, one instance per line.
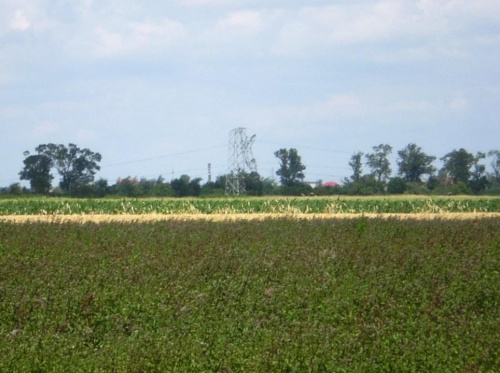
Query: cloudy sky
x=156, y=86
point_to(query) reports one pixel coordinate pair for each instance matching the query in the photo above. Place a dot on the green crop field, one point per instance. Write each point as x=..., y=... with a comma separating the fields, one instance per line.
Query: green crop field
x=275, y=295
x=322, y=205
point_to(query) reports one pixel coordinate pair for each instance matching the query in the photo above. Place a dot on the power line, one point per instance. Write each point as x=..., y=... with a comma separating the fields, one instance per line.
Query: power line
x=324, y=175
x=9, y=180
x=312, y=166
x=306, y=147
x=162, y=156
x=210, y=148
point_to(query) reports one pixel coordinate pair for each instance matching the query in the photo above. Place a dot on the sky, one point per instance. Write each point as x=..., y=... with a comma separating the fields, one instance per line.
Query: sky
x=156, y=87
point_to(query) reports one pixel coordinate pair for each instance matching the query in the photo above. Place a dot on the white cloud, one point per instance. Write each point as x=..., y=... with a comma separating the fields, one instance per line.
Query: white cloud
x=490, y=40
x=292, y=117
x=430, y=22
x=20, y=21
x=459, y=103
x=164, y=32
x=108, y=43
x=24, y=15
x=248, y=22
x=336, y=25
x=85, y=135
x=294, y=38
x=404, y=55
x=85, y=6
x=344, y=104
x=404, y=106
x=213, y=3
x=466, y=8
x=45, y=128
x=381, y=21
x=146, y=37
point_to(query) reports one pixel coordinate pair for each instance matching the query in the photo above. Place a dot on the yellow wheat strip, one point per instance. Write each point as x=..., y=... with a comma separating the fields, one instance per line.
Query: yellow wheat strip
x=131, y=218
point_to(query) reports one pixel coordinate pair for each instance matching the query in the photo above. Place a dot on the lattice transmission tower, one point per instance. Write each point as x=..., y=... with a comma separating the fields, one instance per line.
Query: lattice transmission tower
x=240, y=161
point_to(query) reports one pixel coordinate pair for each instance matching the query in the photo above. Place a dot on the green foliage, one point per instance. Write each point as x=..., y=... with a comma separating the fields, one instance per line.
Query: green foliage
x=396, y=185
x=268, y=296
x=296, y=189
x=15, y=189
x=127, y=187
x=413, y=163
x=37, y=171
x=291, y=167
x=76, y=166
x=367, y=185
x=495, y=165
x=457, y=165
x=417, y=188
x=55, y=206
x=379, y=163
x=253, y=184
x=184, y=186
x=356, y=164
x=478, y=181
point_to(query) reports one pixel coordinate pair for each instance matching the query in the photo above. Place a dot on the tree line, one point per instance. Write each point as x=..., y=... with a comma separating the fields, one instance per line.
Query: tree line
x=462, y=172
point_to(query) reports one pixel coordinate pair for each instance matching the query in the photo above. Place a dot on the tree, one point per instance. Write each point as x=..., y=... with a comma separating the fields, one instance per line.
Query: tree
x=253, y=183
x=184, y=186
x=37, y=171
x=76, y=166
x=378, y=162
x=366, y=185
x=396, y=185
x=291, y=167
x=495, y=164
x=100, y=188
x=457, y=165
x=15, y=189
x=478, y=181
x=413, y=163
x=162, y=188
x=127, y=187
x=357, y=166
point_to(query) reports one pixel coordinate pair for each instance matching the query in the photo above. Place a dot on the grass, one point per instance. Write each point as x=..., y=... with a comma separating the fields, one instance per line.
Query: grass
x=251, y=296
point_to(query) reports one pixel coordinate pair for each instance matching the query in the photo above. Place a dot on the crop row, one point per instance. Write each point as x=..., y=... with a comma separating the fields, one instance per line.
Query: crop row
x=262, y=296
x=248, y=205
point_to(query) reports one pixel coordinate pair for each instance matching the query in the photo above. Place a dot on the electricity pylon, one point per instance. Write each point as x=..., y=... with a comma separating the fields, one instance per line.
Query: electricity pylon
x=240, y=161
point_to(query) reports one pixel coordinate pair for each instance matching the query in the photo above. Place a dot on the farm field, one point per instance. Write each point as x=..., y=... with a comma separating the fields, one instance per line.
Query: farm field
x=248, y=205
x=267, y=295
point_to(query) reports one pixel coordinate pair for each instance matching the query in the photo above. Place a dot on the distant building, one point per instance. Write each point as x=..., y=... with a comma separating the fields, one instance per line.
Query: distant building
x=313, y=184
x=330, y=184
x=319, y=183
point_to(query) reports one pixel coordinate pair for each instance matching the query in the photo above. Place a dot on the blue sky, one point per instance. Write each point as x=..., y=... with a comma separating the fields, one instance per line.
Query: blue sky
x=156, y=86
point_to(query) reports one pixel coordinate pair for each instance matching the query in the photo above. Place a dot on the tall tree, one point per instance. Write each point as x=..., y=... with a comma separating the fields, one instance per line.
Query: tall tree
x=379, y=163
x=357, y=166
x=495, y=164
x=291, y=167
x=478, y=181
x=413, y=163
x=37, y=171
x=76, y=166
x=457, y=165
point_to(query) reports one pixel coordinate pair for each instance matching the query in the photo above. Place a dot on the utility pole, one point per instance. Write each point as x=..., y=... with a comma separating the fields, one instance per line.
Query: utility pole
x=209, y=172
